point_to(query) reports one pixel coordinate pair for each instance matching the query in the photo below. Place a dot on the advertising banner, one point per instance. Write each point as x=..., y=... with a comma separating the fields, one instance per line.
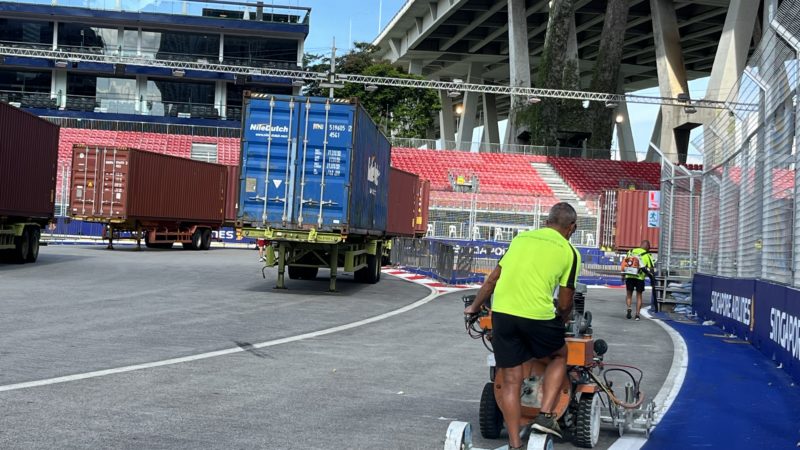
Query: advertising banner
x=766, y=314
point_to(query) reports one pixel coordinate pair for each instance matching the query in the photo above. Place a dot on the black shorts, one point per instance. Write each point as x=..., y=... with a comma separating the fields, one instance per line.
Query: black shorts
x=632, y=284
x=517, y=339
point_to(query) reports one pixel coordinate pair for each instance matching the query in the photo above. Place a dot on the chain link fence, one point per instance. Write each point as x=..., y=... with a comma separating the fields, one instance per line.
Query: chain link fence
x=749, y=195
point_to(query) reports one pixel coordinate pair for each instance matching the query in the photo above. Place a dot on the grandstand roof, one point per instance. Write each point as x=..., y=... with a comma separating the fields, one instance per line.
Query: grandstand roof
x=446, y=36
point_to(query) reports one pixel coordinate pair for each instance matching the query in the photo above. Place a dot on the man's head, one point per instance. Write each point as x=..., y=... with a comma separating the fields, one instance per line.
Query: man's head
x=645, y=245
x=563, y=219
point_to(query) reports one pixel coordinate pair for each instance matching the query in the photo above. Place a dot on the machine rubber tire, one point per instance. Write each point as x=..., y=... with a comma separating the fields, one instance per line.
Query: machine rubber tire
x=490, y=417
x=206, y=240
x=539, y=441
x=33, y=245
x=197, y=239
x=372, y=273
x=587, y=422
x=22, y=246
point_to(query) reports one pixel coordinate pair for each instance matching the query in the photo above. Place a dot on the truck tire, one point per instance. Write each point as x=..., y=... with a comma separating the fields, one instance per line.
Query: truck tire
x=372, y=273
x=206, y=239
x=22, y=246
x=197, y=239
x=33, y=246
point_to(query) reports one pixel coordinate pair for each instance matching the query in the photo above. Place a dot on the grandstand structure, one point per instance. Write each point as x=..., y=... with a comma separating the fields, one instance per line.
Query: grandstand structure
x=159, y=99
x=494, y=196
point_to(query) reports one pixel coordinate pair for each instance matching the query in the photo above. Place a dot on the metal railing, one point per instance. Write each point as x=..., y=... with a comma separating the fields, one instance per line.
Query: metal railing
x=537, y=150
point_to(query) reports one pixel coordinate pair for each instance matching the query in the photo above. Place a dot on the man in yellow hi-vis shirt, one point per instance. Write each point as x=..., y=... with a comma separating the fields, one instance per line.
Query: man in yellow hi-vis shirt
x=526, y=327
x=636, y=282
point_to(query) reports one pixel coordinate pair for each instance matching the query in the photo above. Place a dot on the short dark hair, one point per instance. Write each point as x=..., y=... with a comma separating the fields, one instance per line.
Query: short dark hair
x=562, y=215
x=645, y=244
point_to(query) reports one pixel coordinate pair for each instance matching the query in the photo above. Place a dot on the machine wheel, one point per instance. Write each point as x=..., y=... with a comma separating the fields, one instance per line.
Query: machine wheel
x=459, y=436
x=587, y=424
x=197, y=239
x=540, y=441
x=490, y=417
x=206, y=239
x=33, y=245
x=22, y=245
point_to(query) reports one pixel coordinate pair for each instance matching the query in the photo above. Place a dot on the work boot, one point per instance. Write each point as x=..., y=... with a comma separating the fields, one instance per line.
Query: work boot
x=628, y=316
x=546, y=423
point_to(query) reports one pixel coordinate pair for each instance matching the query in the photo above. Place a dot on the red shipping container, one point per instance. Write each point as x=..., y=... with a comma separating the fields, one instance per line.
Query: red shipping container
x=125, y=185
x=403, y=189
x=28, y=160
x=624, y=220
x=423, y=201
x=232, y=194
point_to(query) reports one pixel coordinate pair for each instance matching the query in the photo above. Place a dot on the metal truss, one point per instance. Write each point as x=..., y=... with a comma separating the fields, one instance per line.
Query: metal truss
x=336, y=79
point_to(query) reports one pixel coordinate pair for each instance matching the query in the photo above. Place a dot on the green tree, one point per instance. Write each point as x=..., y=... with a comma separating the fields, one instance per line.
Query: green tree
x=402, y=112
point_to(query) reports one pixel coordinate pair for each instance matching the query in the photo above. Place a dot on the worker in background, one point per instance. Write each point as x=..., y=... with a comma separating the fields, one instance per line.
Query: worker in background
x=526, y=327
x=261, y=244
x=637, y=265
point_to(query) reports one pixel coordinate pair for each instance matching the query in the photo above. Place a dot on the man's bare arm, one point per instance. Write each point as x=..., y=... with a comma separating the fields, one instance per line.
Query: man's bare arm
x=564, y=307
x=484, y=292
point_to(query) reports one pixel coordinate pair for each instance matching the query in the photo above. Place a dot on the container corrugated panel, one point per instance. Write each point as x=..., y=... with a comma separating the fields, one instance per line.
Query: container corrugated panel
x=28, y=159
x=312, y=163
x=403, y=193
x=423, y=200
x=631, y=221
x=232, y=193
x=125, y=185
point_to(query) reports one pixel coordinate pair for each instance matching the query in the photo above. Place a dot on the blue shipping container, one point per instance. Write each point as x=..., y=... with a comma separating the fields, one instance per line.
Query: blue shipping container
x=312, y=163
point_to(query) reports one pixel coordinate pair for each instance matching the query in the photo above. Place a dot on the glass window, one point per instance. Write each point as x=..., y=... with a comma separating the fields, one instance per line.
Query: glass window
x=26, y=31
x=180, y=46
x=117, y=95
x=25, y=81
x=129, y=39
x=76, y=36
x=249, y=50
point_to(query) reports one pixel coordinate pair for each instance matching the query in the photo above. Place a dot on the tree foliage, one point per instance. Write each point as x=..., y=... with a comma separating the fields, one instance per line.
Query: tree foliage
x=404, y=112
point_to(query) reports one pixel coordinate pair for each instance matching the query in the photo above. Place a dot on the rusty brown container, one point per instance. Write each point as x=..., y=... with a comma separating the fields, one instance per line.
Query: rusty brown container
x=232, y=194
x=28, y=159
x=624, y=220
x=402, y=195
x=135, y=187
x=423, y=201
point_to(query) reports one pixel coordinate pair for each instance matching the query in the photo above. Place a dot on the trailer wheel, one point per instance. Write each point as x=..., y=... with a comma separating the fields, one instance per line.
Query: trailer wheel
x=490, y=416
x=22, y=246
x=33, y=246
x=197, y=239
x=587, y=424
x=206, y=239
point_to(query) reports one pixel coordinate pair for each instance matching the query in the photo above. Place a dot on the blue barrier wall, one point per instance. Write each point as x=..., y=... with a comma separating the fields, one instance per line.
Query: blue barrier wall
x=766, y=314
x=93, y=229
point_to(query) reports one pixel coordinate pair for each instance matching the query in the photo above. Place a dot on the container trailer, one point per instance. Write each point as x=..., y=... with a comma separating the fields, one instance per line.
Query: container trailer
x=315, y=182
x=159, y=198
x=28, y=170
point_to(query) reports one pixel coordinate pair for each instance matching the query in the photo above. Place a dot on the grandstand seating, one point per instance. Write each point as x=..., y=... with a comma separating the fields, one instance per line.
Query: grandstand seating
x=588, y=177
x=170, y=144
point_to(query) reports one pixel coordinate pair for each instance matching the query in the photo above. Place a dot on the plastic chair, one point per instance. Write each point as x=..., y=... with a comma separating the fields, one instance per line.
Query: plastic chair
x=452, y=231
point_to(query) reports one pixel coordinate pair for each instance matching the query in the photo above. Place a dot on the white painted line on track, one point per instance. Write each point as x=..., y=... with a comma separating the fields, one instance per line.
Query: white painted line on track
x=668, y=392
x=214, y=354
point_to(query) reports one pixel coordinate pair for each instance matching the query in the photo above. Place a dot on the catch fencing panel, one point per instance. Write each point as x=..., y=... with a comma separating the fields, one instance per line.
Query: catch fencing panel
x=749, y=183
x=680, y=219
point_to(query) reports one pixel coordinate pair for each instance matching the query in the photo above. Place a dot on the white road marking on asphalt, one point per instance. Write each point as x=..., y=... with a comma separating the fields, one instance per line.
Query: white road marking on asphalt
x=668, y=392
x=229, y=351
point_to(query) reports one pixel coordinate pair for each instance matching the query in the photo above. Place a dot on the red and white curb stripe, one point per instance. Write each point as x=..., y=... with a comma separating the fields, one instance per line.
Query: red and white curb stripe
x=440, y=287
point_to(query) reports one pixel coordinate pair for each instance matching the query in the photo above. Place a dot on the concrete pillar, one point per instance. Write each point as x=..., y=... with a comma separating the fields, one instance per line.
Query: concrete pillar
x=139, y=41
x=627, y=149
x=221, y=96
x=222, y=47
x=671, y=75
x=415, y=67
x=55, y=35
x=519, y=61
x=59, y=86
x=466, y=125
x=655, y=138
x=491, y=132
x=446, y=120
x=734, y=44
x=141, y=96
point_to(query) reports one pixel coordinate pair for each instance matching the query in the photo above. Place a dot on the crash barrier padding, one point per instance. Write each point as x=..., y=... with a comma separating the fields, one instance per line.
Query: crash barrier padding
x=764, y=313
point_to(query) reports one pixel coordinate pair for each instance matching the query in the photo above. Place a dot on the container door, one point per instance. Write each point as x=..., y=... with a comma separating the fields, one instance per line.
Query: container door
x=99, y=181
x=324, y=155
x=268, y=142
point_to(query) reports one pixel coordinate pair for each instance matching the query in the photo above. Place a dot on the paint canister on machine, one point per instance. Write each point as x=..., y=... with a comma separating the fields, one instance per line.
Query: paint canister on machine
x=629, y=395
